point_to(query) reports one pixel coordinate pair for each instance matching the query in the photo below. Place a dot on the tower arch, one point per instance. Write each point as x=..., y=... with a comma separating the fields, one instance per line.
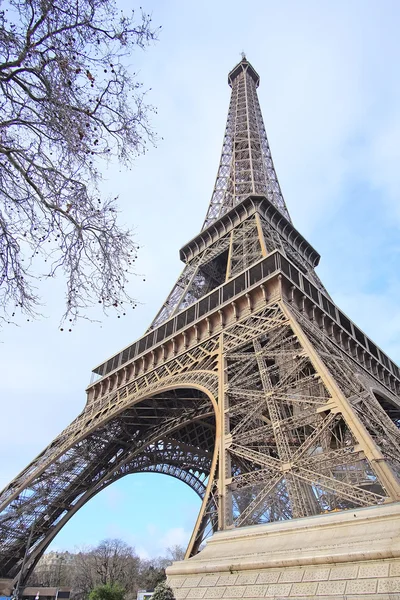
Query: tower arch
x=173, y=431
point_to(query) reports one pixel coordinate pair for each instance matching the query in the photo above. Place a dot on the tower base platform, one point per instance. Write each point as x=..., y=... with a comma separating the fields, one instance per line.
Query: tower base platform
x=353, y=554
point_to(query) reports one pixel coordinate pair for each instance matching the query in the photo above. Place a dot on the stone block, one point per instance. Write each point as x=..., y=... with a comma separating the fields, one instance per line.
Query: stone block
x=181, y=593
x=291, y=575
x=234, y=591
x=247, y=578
x=176, y=582
x=373, y=570
x=208, y=580
x=390, y=585
x=394, y=569
x=361, y=586
x=227, y=579
x=304, y=589
x=268, y=576
x=344, y=572
x=215, y=592
x=196, y=592
x=316, y=574
x=279, y=589
x=191, y=582
x=331, y=588
x=255, y=591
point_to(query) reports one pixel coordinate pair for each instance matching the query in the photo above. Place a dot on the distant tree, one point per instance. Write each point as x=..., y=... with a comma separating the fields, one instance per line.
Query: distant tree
x=163, y=592
x=110, y=562
x=85, y=576
x=107, y=592
x=115, y=562
x=175, y=553
x=67, y=100
x=151, y=574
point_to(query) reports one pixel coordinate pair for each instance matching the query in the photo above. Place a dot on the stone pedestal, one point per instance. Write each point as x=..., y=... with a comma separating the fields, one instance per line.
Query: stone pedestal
x=353, y=554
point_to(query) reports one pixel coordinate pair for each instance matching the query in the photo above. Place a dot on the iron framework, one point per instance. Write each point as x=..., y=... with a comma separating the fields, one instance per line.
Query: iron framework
x=250, y=385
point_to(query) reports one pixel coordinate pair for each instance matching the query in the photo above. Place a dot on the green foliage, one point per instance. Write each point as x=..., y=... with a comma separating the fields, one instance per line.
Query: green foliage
x=150, y=576
x=163, y=592
x=107, y=592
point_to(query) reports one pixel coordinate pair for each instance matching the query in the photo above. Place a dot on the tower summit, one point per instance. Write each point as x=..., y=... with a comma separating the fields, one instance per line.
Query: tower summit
x=250, y=385
x=246, y=67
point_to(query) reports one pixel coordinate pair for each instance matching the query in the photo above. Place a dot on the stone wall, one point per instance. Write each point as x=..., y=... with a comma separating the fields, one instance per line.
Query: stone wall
x=352, y=555
x=379, y=580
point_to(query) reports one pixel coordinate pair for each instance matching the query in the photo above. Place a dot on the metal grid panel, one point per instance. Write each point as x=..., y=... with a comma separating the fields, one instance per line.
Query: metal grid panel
x=246, y=165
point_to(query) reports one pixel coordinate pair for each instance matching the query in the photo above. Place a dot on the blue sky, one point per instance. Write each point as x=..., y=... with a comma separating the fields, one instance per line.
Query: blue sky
x=330, y=96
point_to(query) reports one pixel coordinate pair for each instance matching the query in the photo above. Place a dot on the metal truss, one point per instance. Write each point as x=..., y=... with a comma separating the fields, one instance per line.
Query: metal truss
x=234, y=252
x=293, y=450
x=294, y=423
x=171, y=433
x=204, y=273
x=246, y=165
x=273, y=240
x=251, y=386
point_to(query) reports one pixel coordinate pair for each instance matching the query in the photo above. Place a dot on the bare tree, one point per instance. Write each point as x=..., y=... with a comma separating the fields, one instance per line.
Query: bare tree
x=115, y=562
x=68, y=99
x=152, y=571
x=175, y=553
x=85, y=577
x=111, y=562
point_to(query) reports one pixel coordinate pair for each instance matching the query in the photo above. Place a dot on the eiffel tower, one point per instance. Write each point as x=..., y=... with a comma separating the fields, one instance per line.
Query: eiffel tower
x=250, y=385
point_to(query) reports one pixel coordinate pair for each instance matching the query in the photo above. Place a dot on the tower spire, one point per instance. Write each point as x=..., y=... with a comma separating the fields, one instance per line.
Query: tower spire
x=246, y=165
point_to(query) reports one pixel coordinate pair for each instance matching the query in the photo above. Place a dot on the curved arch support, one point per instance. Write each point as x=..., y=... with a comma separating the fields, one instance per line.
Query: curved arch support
x=172, y=423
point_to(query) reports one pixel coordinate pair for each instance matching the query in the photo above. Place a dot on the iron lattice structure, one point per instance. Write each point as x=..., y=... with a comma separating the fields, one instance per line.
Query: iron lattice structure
x=251, y=385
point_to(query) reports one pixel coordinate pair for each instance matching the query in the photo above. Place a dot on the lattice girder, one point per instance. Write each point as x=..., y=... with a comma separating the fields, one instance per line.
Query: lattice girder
x=148, y=434
x=286, y=444
x=252, y=238
x=250, y=386
x=308, y=451
x=246, y=165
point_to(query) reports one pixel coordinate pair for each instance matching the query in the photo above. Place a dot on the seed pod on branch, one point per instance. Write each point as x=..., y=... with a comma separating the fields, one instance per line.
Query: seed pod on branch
x=62, y=110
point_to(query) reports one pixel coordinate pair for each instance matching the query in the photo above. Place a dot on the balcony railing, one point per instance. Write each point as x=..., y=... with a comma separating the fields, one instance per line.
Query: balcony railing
x=273, y=263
